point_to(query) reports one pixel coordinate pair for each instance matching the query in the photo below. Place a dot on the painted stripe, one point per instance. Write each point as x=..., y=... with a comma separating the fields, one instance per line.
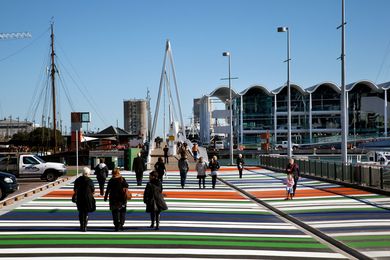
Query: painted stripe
x=177, y=251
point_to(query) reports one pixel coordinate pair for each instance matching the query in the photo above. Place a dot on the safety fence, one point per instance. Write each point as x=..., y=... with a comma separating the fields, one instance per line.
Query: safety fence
x=373, y=176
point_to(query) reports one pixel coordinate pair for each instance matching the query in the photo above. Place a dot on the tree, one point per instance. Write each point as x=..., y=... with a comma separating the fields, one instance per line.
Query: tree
x=40, y=139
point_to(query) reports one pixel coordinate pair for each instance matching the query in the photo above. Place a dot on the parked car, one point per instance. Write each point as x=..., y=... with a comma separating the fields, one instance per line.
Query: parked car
x=29, y=165
x=284, y=145
x=8, y=184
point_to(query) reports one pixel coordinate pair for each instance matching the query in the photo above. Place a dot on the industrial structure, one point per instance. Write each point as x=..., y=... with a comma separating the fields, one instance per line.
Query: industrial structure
x=9, y=127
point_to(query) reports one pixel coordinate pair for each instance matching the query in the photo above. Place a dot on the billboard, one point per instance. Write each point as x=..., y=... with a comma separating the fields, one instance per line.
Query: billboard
x=80, y=117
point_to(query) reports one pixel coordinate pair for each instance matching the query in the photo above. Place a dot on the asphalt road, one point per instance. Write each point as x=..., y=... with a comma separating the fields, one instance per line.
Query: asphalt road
x=26, y=184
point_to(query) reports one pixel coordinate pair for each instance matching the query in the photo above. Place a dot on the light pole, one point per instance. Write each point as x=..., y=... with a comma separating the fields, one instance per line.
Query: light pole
x=343, y=96
x=230, y=109
x=289, y=146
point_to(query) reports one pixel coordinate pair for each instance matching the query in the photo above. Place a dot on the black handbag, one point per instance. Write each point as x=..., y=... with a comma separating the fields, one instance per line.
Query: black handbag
x=74, y=197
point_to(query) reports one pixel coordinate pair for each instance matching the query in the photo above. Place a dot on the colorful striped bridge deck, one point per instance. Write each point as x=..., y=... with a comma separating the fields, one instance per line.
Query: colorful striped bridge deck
x=204, y=223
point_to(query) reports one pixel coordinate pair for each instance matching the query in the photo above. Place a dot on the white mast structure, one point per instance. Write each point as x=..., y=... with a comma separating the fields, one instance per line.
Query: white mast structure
x=176, y=123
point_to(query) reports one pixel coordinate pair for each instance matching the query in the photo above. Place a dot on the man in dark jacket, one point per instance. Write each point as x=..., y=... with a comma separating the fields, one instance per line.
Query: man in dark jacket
x=101, y=172
x=166, y=156
x=182, y=164
x=240, y=165
x=139, y=168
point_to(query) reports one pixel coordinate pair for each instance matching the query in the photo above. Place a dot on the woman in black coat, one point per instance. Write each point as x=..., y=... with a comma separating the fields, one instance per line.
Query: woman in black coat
x=159, y=167
x=117, y=191
x=214, y=167
x=83, y=197
x=154, y=199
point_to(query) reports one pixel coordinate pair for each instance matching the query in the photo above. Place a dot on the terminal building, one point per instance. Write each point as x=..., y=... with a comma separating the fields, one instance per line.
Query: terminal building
x=315, y=113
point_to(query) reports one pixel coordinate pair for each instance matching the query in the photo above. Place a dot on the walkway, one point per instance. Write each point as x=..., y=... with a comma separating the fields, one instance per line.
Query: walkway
x=205, y=223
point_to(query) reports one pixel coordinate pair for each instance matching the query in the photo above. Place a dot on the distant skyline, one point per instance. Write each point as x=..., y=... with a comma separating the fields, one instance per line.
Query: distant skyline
x=111, y=51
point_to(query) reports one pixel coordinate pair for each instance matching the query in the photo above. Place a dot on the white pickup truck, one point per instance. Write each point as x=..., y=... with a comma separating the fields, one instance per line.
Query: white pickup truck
x=31, y=166
x=284, y=145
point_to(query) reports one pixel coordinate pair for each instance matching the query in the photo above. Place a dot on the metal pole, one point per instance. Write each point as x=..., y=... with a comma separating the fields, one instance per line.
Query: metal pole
x=385, y=113
x=231, y=115
x=77, y=153
x=343, y=102
x=242, y=120
x=230, y=103
x=289, y=145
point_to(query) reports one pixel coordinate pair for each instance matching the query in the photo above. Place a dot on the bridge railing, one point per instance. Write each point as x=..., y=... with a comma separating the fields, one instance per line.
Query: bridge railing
x=371, y=176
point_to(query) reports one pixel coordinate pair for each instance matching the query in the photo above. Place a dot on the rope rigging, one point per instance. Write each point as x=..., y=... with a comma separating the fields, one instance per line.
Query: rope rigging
x=42, y=96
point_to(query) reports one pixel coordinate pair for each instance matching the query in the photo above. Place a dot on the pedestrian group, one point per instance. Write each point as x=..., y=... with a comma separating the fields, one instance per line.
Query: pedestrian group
x=117, y=188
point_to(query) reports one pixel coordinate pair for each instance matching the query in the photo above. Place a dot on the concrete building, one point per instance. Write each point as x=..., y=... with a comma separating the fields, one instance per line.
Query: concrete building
x=9, y=127
x=136, y=117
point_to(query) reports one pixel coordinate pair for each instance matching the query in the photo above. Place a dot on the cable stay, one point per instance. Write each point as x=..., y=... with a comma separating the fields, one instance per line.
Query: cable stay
x=176, y=123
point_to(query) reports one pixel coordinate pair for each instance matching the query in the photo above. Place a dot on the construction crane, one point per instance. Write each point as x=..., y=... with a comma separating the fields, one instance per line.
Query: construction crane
x=15, y=35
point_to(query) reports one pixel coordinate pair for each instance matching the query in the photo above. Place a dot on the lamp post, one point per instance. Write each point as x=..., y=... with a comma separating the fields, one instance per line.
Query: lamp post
x=289, y=146
x=230, y=109
x=343, y=96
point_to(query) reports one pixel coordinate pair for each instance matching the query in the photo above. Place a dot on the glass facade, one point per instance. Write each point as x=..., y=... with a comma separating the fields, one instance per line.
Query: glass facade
x=257, y=110
x=315, y=113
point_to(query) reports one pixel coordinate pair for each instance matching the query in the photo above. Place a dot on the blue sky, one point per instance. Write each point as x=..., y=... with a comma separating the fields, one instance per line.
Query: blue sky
x=110, y=51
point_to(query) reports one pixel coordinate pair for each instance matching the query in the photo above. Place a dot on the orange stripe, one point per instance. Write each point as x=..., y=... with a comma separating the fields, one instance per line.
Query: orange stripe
x=309, y=193
x=168, y=194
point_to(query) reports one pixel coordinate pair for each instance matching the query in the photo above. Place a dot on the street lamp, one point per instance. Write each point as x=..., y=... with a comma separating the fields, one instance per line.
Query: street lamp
x=230, y=109
x=289, y=146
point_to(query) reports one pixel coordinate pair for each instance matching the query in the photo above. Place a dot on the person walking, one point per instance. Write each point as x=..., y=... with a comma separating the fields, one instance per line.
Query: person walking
x=195, y=151
x=139, y=168
x=240, y=165
x=214, y=167
x=293, y=168
x=154, y=199
x=201, y=168
x=83, y=197
x=117, y=193
x=183, y=168
x=166, y=157
x=101, y=172
x=159, y=167
x=289, y=186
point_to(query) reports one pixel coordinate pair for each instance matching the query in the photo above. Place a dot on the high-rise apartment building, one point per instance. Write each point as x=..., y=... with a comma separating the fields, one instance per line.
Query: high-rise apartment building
x=136, y=117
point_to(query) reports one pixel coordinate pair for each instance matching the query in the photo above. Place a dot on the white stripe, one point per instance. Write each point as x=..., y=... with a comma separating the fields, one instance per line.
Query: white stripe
x=92, y=223
x=352, y=225
x=140, y=203
x=378, y=253
x=375, y=233
x=176, y=251
x=143, y=208
x=349, y=221
x=150, y=233
x=292, y=208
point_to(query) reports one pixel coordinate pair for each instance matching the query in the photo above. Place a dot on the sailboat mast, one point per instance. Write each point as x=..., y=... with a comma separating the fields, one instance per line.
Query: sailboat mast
x=53, y=89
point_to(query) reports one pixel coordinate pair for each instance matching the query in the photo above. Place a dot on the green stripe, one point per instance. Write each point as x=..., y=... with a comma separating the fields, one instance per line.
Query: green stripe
x=365, y=238
x=370, y=244
x=154, y=241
